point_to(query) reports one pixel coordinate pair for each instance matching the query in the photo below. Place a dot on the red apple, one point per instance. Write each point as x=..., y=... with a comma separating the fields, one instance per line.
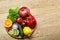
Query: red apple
x=24, y=12
x=19, y=20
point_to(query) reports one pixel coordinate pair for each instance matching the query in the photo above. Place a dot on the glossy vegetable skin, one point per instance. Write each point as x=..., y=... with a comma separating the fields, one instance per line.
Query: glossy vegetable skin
x=20, y=30
x=31, y=21
x=24, y=12
x=19, y=20
x=27, y=31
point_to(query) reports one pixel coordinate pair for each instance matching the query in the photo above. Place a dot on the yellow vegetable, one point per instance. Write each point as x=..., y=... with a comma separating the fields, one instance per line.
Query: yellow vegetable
x=27, y=31
x=7, y=23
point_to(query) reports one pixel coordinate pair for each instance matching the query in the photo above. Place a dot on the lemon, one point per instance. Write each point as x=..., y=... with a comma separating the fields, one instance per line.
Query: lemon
x=27, y=31
x=7, y=23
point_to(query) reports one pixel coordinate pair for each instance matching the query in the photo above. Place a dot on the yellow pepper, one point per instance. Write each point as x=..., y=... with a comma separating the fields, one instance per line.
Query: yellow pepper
x=27, y=31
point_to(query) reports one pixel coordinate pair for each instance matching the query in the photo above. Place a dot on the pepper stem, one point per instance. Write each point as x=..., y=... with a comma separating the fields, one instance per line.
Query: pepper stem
x=30, y=19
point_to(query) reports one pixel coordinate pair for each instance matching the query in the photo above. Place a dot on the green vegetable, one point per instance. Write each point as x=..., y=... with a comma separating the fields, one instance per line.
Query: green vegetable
x=13, y=14
x=14, y=32
x=20, y=30
x=17, y=32
x=11, y=32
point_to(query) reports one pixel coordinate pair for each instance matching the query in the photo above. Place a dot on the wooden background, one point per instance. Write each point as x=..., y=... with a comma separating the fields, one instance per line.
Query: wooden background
x=47, y=13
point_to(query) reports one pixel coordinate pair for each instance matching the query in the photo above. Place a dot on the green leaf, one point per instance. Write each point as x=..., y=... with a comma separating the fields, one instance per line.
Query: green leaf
x=13, y=14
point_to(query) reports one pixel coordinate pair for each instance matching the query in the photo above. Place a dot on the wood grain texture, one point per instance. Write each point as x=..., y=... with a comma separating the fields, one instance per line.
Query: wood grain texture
x=47, y=13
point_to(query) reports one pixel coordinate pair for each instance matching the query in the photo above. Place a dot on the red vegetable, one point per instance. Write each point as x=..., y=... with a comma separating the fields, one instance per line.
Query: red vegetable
x=24, y=12
x=31, y=21
x=19, y=20
x=7, y=29
x=23, y=24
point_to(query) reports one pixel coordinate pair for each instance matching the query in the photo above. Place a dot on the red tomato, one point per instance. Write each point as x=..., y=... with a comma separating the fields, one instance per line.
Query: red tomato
x=19, y=20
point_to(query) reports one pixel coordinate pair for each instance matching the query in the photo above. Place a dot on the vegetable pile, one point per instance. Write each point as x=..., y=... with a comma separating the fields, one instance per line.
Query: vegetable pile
x=20, y=22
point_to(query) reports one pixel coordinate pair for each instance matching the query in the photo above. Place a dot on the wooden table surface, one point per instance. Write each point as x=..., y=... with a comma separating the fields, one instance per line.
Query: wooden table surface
x=47, y=13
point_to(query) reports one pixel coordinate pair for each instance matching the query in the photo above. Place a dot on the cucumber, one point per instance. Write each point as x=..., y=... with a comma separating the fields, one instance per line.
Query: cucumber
x=20, y=30
x=11, y=32
x=16, y=32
